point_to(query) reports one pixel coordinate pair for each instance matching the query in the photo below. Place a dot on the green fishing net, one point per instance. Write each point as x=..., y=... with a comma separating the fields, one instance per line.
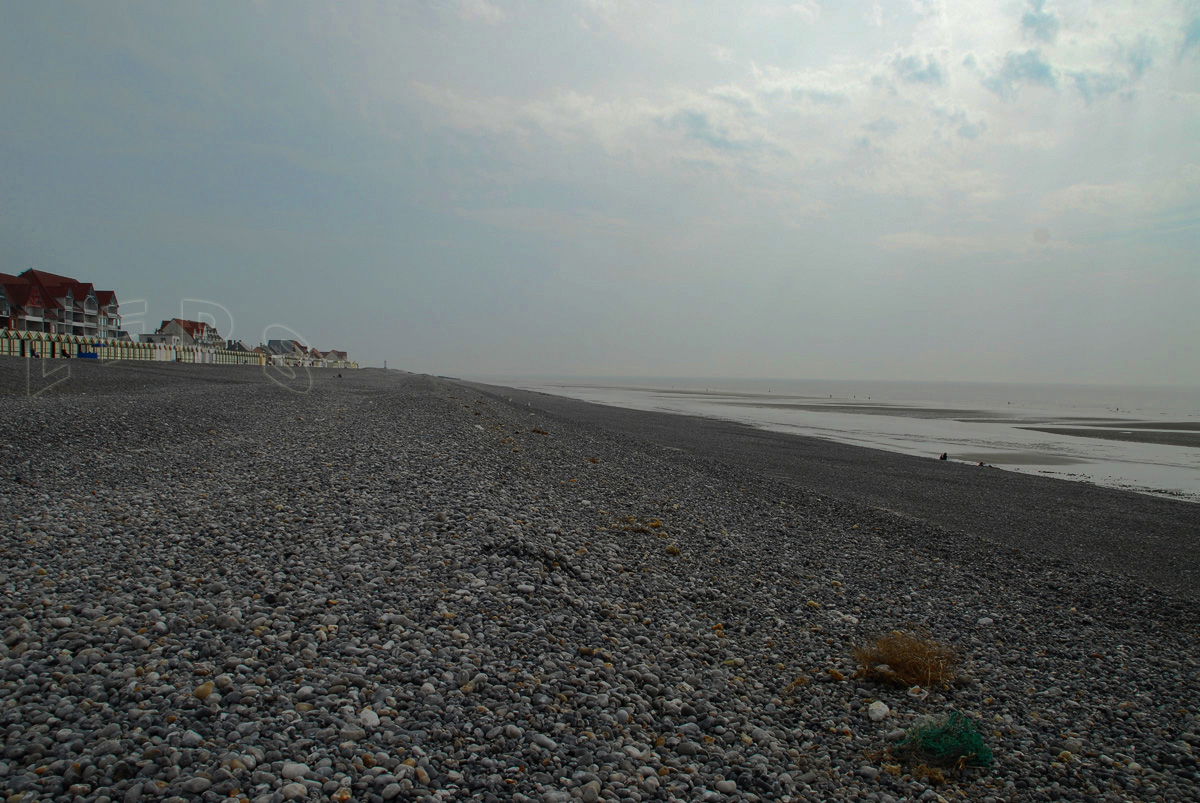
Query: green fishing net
x=947, y=741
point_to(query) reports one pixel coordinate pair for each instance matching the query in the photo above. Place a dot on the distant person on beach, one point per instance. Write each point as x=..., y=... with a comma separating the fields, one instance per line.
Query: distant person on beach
x=944, y=456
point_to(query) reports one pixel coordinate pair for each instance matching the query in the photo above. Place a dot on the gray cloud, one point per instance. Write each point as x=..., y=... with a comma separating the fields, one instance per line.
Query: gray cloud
x=518, y=192
x=913, y=70
x=1039, y=23
x=1125, y=71
x=964, y=126
x=821, y=96
x=884, y=126
x=697, y=125
x=1140, y=57
x=969, y=130
x=1096, y=85
x=1021, y=68
x=1191, y=36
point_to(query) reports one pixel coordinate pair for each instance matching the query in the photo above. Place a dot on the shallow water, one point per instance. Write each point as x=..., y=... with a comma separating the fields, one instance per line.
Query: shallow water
x=1140, y=439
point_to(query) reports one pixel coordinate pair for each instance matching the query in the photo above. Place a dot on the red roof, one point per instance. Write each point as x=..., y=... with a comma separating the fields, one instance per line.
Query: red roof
x=12, y=285
x=24, y=294
x=39, y=288
x=46, y=276
x=195, y=329
x=55, y=287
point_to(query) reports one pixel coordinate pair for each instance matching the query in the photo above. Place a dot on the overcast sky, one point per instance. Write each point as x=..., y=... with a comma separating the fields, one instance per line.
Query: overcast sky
x=1001, y=191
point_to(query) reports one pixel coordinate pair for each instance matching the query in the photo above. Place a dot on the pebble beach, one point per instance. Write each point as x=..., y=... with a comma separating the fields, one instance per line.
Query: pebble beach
x=220, y=584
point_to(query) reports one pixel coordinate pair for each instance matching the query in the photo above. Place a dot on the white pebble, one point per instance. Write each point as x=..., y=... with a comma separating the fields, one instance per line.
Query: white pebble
x=878, y=711
x=293, y=770
x=294, y=791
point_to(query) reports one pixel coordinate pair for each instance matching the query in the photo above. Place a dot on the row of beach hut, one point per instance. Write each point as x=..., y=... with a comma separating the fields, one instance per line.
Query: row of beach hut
x=14, y=343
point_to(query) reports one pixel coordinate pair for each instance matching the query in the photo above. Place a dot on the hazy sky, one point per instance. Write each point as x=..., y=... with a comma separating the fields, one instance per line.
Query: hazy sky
x=999, y=191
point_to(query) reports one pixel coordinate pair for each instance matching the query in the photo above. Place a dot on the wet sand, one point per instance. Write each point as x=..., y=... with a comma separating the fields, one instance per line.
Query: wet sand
x=1160, y=437
x=898, y=410
x=1016, y=458
x=1111, y=428
x=1183, y=426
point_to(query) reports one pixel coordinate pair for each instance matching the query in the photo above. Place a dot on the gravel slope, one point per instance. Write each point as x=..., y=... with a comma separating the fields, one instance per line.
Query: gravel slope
x=1154, y=539
x=399, y=587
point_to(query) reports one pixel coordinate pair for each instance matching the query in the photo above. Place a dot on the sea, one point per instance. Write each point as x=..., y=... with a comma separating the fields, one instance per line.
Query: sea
x=1142, y=439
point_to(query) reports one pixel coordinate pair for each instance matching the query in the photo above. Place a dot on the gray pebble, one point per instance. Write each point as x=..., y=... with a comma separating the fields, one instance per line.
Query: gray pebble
x=396, y=601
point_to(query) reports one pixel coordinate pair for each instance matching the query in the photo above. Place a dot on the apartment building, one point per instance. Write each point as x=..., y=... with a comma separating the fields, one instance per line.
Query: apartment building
x=38, y=301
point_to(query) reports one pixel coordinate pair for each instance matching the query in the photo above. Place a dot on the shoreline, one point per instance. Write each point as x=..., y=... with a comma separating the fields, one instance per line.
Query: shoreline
x=1008, y=508
x=1154, y=455
x=1153, y=458
x=394, y=586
